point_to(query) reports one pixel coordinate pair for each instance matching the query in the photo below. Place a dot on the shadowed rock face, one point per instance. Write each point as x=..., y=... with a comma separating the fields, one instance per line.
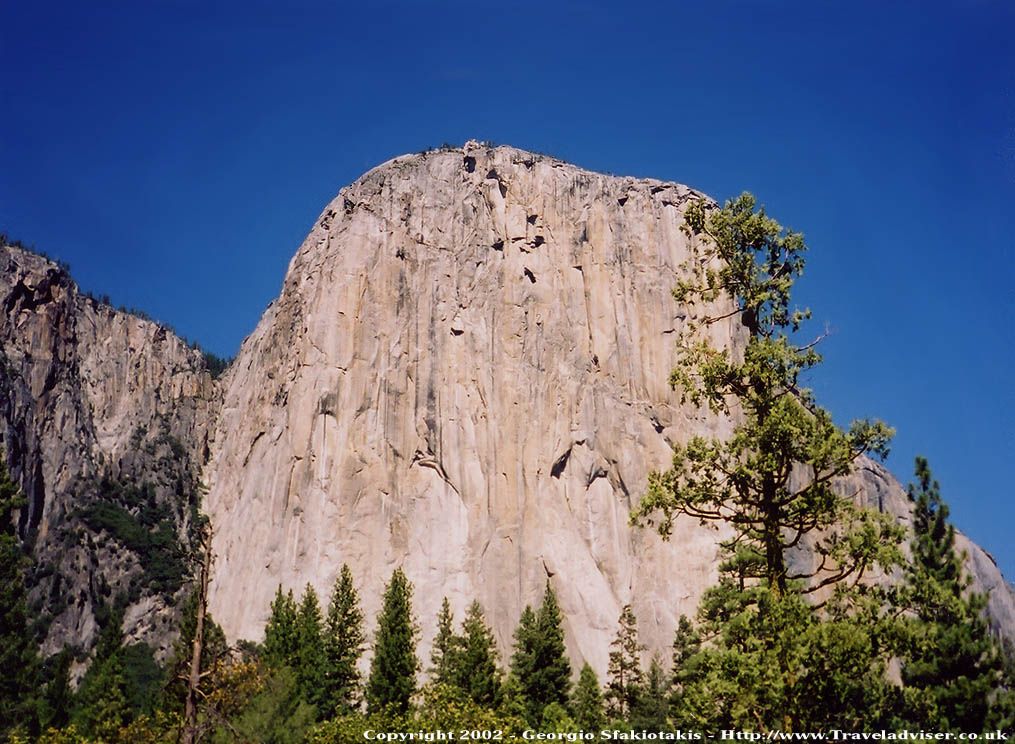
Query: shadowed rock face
x=104, y=419
x=465, y=375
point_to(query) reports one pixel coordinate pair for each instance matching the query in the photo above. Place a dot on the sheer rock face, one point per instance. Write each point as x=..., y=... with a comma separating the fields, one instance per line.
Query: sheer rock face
x=93, y=399
x=466, y=375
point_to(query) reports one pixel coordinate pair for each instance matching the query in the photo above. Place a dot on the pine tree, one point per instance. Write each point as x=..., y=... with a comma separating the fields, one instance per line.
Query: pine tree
x=199, y=638
x=18, y=656
x=58, y=698
x=280, y=643
x=624, y=668
x=686, y=645
x=445, y=645
x=771, y=482
x=214, y=650
x=310, y=660
x=523, y=661
x=553, y=662
x=953, y=667
x=100, y=706
x=539, y=662
x=344, y=641
x=392, y=679
x=651, y=706
x=475, y=663
x=513, y=705
x=1002, y=707
x=108, y=710
x=587, y=701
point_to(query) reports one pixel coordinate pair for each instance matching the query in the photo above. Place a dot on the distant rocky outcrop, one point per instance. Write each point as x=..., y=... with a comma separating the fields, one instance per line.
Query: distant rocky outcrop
x=465, y=375
x=104, y=419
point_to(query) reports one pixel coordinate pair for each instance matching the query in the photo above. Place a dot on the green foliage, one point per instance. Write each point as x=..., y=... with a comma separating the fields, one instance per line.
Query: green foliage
x=310, y=659
x=539, y=663
x=624, y=668
x=467, y=662
x=343, y=645
x=18, y=656
x=158, y=728
x=1002, y=707
x=448, y=707
x=686, y=648
x=743, y=264
x=445, y=644
x=132, y=516
x=650, y=711
x=280, y=640
x=102, y=704
x=215, y=365
x=513, y=704
x=771, y=660
x=443, y=707
x=587, y=702
x=475, y=663
x=556, y=719
x=773, y=663
x=936, y=568
x=276, y=714
x=58, y=695
x=951, y=669
x=392, y=680
x=843, y=682
x=352, y=727
x=143, y=678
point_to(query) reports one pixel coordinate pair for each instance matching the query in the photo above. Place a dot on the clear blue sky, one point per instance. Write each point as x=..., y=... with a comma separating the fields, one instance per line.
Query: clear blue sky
x=175, y=154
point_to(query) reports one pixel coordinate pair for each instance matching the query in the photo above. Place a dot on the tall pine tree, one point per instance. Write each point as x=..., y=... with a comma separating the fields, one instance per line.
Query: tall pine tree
x=392, y=679
x=343, y=646
x=686, y=645
x=101, y=706
x=310, y=659
x=539, y=662
x=651, y=707
x=772, y=482
x=587, y=701
x=445, y=646
x=523, y=662
x=214, y=650
x=280, y=641
x=475, y=665
x=624, y=668
x=953, y=667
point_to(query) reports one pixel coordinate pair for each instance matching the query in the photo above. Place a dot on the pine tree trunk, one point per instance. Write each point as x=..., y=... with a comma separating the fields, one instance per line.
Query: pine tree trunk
x=194, y=679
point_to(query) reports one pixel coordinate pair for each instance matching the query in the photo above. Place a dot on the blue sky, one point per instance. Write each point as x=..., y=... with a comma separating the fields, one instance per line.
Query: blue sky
x=176, y=153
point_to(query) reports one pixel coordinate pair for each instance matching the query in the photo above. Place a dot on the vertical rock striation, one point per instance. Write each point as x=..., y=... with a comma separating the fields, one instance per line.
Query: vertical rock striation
x=466, y=375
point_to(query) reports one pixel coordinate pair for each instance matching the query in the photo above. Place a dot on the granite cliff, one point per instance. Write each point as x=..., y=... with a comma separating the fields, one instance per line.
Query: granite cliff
x=465, y=375
x=104, y=419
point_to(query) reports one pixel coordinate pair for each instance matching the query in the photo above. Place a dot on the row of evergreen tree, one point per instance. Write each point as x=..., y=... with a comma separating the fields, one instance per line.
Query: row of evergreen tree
x=304, y=681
